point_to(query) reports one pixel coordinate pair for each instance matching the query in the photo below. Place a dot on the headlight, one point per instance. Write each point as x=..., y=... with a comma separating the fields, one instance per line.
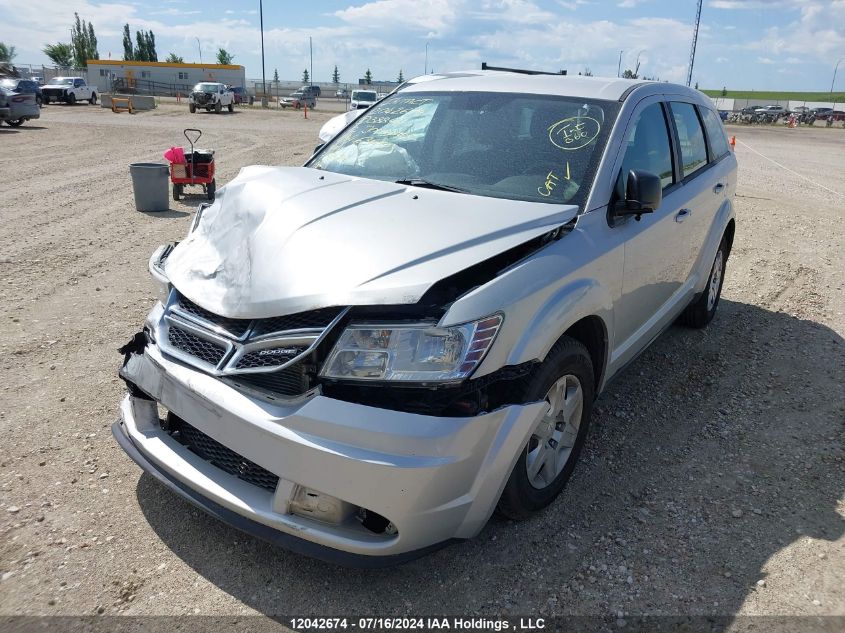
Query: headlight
x=419, y=353
x=159, y=277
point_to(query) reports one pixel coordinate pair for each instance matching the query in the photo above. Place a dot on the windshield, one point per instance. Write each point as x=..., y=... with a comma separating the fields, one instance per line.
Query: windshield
x=9, y=83
x=363, y=96
x=296, y=95
x=538, y=148
x=62, y=81
x=205, y=88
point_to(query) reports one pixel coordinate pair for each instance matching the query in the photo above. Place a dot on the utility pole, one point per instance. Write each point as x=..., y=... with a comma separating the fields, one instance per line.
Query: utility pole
x=263, y=76
x=833, y=81
x=694, y=42
x=619, y=65
x=199, y=47
x=425, y=71
x=311, y=53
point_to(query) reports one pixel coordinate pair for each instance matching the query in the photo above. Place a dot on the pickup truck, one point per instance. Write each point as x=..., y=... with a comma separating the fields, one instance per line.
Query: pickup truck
x=210, y=95
x=69, y=90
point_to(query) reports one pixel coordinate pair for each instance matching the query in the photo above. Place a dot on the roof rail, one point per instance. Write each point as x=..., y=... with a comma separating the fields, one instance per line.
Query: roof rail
x=522, y=71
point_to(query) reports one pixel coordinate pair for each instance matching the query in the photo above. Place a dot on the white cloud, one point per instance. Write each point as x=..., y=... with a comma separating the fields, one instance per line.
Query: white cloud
x=765, y=60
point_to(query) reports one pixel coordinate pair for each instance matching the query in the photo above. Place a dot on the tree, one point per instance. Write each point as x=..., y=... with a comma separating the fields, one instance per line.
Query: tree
x=629, y=74
x=401, y=77
x=223, y=57
x=335, y=75
x=60, y=54
x=84, y=42
x=305, y=78
x=587, y=72
x=152, y=56
x=173, y=58
x=128, y=50
x=7, y=53
x=368, y=77
x=140, y=46
x=276, y=75
x=724, y=91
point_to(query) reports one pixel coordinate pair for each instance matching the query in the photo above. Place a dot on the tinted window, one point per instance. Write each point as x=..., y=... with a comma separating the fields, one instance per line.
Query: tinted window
x=715, y=133
x=648, y=146
x=690, y=137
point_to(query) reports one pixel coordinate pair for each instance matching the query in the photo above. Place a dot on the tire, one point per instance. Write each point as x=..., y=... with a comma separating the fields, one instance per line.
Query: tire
x=567, y=370
x=210, y=188
x=93, y=99
x=177, y=192
x=15, y=122
x=192, y=108
x=702, y=310
x=71, y=99
x=39, y=101
x=231, y=107
x=297, y=106
x=218, y=107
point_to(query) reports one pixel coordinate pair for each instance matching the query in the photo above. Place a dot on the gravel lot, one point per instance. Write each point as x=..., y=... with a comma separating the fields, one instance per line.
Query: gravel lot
x=712, y=483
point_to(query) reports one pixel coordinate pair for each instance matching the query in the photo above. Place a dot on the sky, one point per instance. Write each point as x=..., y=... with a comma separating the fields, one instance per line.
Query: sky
x=742, y=44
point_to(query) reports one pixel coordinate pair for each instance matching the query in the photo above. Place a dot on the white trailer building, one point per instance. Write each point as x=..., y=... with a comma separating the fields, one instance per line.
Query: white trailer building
x=159, y=78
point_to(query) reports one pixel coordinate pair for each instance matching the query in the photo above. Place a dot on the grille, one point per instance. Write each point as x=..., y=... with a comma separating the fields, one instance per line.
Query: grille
x=291, y=381
x=224, y=458
x=195, y=346
x=302, y=320
x=256, y=359
x=236, y=327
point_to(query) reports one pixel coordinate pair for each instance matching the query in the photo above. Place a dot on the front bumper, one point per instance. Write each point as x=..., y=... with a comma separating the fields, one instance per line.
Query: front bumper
x=434, y=478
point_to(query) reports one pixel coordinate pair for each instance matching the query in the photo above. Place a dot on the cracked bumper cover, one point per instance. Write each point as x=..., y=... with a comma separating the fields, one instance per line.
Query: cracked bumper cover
x=434, y=478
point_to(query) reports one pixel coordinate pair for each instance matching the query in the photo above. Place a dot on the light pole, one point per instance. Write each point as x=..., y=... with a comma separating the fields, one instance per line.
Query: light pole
x=619, y=65
x=311, y=53
x=637, y=66
x=425, y=71
x=263, y=76
x=199, y=47
x=833, y=81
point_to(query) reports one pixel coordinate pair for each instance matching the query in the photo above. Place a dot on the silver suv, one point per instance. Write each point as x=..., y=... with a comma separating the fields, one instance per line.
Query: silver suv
x=362, y=358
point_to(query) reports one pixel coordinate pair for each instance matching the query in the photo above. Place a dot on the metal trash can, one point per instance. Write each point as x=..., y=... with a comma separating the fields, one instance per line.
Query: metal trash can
x=150, y=186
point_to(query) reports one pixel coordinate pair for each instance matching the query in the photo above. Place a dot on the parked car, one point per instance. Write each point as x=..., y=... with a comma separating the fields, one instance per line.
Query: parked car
x=342, y=93
x=23, y=86
x=69, y=90
x=17, y=107
x=298, y=100
x=772, y=109
x=362, y=99
x=211, y=95
x=362, y=358
x=240, y=95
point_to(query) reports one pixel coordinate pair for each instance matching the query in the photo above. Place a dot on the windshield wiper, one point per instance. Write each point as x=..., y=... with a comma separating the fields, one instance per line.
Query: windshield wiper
x=421, y=182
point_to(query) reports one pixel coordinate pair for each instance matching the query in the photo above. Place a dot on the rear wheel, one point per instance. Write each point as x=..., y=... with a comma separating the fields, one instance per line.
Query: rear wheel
x=210, y=189
x=701, y=311
x=93, y=99
x=177, y=192
x=567, y=383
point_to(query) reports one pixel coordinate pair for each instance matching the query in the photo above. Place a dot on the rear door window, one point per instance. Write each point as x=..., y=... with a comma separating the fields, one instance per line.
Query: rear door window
x=715, y=134
x=690, y=137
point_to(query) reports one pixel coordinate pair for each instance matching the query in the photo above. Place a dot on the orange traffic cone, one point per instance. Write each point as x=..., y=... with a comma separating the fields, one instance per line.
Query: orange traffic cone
x=733, y=142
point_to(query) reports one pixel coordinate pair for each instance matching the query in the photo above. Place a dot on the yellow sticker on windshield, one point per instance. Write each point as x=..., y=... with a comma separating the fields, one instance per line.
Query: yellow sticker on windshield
x=574, y=133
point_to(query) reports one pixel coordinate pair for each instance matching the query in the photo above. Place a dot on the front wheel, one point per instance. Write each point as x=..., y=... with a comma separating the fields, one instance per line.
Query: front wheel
x=231, y=107
x=15, y=122
x=71, y=99
x=93, y=99
x=210, y=189
x=192, y=108
x=566, y=382
x=701, y=311
x=218, y=107
x=177, y=192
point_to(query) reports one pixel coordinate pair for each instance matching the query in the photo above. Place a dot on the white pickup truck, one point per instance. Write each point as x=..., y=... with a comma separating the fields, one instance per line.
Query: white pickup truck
x=69, y=90
x=211, y=96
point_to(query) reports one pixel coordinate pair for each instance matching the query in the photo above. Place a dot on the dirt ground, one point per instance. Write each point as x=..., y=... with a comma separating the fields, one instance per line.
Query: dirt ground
x=712, y=483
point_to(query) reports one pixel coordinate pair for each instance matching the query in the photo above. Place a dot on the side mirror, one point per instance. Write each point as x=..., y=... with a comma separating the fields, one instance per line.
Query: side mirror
x=318, y=148
x=643, y=194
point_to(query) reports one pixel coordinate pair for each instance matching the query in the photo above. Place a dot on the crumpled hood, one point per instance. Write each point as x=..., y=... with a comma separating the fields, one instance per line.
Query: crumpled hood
x=280, y=240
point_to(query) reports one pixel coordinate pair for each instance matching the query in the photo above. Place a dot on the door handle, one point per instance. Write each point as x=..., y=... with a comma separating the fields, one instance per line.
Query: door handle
x=718, y=188
x=682, y=215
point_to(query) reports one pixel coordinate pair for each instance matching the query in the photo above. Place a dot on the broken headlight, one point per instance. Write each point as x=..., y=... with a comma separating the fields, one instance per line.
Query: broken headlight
x=416, y=353
x=159, y=277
